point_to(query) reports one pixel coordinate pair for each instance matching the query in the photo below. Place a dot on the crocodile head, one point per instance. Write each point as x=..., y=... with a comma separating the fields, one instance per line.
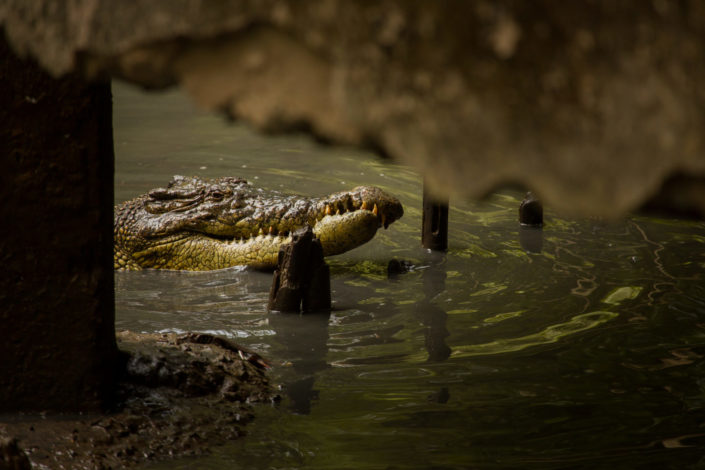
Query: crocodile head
x=202, y=224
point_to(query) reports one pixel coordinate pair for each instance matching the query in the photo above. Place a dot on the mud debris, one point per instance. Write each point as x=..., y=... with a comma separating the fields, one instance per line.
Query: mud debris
x=179, y=395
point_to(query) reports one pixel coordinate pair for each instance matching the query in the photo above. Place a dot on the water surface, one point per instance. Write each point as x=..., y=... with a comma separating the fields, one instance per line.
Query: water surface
x=577, y=346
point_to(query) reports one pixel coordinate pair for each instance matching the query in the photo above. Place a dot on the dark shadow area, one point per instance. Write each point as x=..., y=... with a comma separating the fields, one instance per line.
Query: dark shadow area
x=56, y=292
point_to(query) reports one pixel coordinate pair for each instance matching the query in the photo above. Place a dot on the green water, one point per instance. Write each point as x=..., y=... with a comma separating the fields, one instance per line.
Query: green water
x=578, y=346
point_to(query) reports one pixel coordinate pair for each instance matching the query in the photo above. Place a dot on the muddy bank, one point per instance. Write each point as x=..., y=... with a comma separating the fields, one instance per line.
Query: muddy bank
x=179, y=396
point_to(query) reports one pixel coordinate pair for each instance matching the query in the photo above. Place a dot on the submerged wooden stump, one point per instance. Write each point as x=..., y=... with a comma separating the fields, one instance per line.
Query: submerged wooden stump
x=531, y=211
x=301, y=281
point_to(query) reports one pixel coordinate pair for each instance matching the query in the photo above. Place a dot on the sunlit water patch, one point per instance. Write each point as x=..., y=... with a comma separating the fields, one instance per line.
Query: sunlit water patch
x=580, y=345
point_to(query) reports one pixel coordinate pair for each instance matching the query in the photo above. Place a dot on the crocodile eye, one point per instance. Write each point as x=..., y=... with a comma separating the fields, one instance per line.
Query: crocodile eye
x=217, y=195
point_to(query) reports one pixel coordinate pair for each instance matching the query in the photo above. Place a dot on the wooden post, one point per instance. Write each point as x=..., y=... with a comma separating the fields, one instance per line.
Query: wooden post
x=434, y=225
x=531, y=224
x=531, y=211
x=301, y=281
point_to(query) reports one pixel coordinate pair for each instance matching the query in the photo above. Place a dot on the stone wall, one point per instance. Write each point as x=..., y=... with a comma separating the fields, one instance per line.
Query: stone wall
x=57, y=341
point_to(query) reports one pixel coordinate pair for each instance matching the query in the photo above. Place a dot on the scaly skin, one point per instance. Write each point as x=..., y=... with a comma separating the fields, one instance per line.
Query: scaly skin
x=196, y=224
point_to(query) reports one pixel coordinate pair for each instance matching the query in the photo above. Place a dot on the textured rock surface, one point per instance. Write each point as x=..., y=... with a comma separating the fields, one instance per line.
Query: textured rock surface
x=179, y=395
x=593, y=105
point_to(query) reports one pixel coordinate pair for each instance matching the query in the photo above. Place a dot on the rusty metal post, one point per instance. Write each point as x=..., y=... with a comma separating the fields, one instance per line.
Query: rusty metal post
x=434, y=225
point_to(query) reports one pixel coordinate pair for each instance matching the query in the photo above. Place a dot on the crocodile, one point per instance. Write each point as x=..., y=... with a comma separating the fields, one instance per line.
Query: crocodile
x=200, y=224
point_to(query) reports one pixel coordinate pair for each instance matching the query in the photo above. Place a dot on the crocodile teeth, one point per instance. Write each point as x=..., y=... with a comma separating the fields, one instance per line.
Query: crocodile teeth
x=328, y=210
x=375, y=210
x=337, y=212
x=364, y=205
x=261, y=232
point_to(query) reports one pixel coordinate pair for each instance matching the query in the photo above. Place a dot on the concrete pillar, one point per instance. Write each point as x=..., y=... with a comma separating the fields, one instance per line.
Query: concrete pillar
x=57, y=328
